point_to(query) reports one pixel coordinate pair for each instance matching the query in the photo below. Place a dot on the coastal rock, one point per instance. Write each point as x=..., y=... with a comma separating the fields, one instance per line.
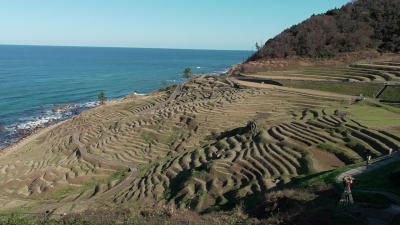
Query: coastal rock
x=2, y=129
x=21, y=133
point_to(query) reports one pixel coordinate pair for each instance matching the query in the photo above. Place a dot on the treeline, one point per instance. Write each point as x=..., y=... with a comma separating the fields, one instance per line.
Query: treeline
x=359, y=25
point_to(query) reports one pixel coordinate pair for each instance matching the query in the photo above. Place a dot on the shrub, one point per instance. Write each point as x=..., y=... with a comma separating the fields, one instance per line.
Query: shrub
x=102, y=97
x=187, y=73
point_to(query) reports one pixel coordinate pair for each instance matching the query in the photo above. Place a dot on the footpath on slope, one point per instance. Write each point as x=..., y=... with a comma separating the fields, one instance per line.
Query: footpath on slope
x=373, y=166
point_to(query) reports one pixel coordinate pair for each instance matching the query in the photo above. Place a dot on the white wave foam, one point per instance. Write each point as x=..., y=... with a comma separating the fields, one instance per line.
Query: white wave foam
x=49, y=116
x=139, y=94
x=224, y=71
x=32, y=122
x=89, y=104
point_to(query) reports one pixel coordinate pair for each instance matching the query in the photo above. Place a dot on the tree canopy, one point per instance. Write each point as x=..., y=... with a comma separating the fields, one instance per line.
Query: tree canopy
x=359, y=25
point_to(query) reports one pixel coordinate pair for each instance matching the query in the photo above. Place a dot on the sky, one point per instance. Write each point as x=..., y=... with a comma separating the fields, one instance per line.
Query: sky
x=187, y=24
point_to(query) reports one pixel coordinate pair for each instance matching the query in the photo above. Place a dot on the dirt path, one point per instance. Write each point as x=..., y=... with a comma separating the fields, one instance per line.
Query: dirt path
x=373, y=166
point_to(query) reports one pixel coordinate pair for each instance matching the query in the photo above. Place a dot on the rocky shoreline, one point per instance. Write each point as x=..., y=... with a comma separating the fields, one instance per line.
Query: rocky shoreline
x=12, y=135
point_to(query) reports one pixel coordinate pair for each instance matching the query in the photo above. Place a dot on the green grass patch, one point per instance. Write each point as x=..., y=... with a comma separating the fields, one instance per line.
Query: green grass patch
x=346, y=88
x=15, y=219
x=119, y=175
x=374, y=114
x=68, y=190
x=64, y=192
x=391, y=94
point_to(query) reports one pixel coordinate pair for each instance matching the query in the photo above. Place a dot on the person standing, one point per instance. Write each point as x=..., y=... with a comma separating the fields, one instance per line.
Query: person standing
x=347, y=197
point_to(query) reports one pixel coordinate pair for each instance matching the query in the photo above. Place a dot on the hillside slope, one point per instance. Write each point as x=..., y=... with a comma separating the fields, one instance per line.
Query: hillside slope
x=192, y=147
x=360, y=25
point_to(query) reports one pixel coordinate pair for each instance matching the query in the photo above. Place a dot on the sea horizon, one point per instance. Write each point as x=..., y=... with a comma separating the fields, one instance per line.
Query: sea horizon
x=34, y=80
x=126, y=47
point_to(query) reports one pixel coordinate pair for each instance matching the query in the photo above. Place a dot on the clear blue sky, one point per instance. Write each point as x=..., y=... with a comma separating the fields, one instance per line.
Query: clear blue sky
x=195, y=24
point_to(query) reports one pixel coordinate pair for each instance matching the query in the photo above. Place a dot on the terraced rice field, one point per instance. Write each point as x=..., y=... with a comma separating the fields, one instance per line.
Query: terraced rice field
x=238, y=165
x=370, y=79
x=189, y=146
x=360, y=72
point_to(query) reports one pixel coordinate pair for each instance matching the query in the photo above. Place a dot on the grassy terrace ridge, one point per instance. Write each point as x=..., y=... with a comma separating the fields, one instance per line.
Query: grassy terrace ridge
x=354, y=89
x=391, y=94
x=368, y=78
x=375, y=114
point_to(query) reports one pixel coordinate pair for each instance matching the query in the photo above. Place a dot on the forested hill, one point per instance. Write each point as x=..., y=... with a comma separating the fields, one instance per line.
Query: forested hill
x=359, y=25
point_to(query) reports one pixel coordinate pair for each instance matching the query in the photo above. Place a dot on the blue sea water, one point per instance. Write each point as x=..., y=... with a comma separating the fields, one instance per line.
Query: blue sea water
x=35, y=79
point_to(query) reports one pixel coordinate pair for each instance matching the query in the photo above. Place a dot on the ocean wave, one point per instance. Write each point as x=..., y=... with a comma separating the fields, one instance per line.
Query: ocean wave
x=174, y=81
x=89, y=104
x=36, y=121
x=56, y=113
x=223, y=71
x=139, y=94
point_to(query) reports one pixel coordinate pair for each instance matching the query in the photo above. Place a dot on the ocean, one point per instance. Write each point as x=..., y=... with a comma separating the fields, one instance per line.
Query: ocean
x=36, y=79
